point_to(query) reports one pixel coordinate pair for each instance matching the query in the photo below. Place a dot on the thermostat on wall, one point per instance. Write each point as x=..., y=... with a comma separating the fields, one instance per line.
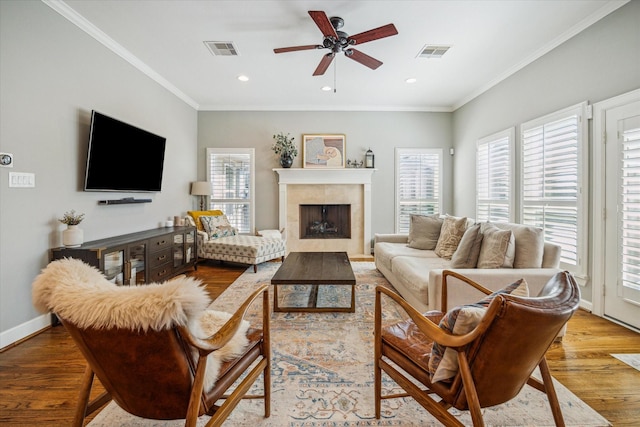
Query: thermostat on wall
x=6, y=160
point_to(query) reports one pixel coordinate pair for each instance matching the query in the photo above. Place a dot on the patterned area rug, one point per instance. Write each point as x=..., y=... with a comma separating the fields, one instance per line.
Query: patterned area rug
x=323, y=374
x=630, y=359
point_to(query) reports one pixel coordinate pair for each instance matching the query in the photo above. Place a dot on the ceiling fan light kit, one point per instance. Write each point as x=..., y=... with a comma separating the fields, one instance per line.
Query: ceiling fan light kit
x=339, y=41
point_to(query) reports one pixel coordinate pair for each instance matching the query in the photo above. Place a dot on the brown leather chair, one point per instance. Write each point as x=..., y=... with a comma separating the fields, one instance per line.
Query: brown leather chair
x=496, y=359
x=157, y=371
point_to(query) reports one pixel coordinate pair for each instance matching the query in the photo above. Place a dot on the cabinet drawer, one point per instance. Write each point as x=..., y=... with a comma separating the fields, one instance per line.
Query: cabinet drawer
x=159, y=243
x=159, y=258
x=160, y=273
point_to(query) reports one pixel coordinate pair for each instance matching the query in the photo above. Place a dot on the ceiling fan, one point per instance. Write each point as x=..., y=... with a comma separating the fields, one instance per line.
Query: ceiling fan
x=339, y=41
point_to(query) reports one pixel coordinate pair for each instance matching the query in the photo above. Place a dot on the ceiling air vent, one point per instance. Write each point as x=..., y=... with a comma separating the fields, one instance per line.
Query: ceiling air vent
x=222, y=48
x=431, y=51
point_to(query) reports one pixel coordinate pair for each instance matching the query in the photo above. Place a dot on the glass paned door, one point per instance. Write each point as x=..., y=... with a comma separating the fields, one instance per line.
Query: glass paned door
x=622, y=278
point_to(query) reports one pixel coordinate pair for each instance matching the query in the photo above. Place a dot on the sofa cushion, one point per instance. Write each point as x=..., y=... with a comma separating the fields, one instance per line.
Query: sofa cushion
x=452, y=231
x=413, y=273
x=385, y=252
x=466, y=256
x=498, y=247
x=424, y=231
x=443, y=361
x=242, y=246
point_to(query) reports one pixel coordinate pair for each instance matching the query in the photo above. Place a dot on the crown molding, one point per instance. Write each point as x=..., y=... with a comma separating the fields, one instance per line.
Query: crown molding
x=81, y=22
x=562, y=38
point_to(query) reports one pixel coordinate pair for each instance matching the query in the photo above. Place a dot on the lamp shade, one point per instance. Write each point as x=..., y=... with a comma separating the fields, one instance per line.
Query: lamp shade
x=200, y=188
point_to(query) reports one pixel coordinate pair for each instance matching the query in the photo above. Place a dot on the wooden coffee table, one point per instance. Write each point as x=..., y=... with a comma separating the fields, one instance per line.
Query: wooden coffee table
x=315, y=269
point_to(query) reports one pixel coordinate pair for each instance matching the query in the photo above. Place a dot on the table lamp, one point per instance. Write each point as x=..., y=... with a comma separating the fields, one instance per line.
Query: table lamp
x=202, y=189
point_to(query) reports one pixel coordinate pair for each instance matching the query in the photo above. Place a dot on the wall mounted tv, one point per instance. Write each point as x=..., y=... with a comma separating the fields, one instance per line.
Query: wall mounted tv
x=122, y=157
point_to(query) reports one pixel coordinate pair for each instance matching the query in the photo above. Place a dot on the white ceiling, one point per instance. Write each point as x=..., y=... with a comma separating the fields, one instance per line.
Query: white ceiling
x=490, y=40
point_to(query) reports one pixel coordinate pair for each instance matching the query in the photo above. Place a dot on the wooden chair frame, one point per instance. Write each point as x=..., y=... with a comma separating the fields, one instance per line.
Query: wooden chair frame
x=204, y=347
x=463, y=382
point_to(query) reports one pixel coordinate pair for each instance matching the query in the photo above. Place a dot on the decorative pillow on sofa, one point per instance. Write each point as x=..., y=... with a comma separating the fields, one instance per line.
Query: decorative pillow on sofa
x=424, y=231
x=498, y=247
x=270, y=234
x=466, y=256
x=452, y=231
x=443, y=361
x=217, y=226
x=529, y=245
x=197, y=214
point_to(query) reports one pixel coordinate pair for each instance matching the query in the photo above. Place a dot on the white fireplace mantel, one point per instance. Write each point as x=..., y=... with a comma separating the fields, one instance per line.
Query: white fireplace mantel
x=325, y=176
x=312, y=176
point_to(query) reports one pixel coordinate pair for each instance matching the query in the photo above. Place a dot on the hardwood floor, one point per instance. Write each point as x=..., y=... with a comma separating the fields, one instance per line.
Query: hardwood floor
x=40, y=377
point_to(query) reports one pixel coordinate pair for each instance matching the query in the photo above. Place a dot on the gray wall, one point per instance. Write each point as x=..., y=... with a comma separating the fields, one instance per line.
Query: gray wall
x=52, y=75
x=380, y=131
x=601, y=62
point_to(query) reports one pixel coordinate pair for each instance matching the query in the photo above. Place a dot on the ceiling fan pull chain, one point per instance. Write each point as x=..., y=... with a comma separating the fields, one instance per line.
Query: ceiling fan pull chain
x=335, y=72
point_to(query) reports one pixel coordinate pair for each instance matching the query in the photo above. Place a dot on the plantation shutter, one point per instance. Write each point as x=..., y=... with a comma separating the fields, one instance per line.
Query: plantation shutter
x=552, y=180
x=629, y=212
x=494, y=193
x=231, y=173
x=418, y=184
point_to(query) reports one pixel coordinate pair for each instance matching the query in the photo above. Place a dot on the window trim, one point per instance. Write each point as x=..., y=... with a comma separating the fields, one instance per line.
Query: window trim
x=510, y=134
x=252, y=180
x=398, y=152
x=580, y=270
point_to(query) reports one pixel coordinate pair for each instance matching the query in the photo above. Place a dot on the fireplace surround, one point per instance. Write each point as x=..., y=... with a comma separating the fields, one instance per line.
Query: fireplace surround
x=300, y=186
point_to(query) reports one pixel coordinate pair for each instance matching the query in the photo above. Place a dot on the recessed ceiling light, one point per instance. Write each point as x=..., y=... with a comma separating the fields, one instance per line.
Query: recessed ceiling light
x=243, y=78
x=411, y=80
x=326, y=88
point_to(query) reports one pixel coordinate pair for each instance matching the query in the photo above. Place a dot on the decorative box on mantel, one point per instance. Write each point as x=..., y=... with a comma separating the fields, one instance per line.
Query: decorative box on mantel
x=302, y=186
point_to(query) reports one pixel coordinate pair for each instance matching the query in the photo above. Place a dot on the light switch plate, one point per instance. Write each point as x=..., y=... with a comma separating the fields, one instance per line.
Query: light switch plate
x=22, y=179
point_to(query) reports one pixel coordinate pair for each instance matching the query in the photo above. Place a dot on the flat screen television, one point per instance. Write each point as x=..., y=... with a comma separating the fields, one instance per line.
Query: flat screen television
x=122, y=157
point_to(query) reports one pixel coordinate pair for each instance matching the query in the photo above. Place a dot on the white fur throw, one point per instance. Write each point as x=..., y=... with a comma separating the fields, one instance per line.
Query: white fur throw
x=81, y=295
x=208, y=324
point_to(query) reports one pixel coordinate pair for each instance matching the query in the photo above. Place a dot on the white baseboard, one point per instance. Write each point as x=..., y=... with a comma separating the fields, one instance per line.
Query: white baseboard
x=24, y=330
x=587, y=305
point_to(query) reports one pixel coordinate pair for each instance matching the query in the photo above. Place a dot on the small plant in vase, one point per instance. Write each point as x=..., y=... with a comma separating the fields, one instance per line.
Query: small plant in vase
x=285, y=148
x=72, y=237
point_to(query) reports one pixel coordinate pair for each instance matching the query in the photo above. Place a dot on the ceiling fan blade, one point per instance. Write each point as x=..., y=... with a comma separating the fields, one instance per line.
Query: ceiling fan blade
x=324, y=64
x=362, y=58
x=295, y=48
x=375, y=34
x=321, y=20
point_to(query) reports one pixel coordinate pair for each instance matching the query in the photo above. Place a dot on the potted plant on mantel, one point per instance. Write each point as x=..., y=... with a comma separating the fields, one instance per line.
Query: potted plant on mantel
x=72, y=237
x=285, y=148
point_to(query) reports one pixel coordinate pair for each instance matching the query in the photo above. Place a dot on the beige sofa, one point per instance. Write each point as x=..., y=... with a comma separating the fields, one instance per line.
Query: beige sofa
x=417, y=273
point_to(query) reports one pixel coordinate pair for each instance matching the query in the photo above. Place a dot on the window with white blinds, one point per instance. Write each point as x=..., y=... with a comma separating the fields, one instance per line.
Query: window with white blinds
x=554, y=173
x=231, y=172
x=494, y=177
x=418, y=184
x=629, y=212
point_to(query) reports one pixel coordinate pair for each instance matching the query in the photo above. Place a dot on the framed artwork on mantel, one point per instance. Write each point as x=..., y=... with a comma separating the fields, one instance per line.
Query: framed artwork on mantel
x=323, y=151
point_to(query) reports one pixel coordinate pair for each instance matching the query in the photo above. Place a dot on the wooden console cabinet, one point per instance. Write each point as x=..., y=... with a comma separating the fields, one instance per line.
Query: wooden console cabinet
x=138, y=258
